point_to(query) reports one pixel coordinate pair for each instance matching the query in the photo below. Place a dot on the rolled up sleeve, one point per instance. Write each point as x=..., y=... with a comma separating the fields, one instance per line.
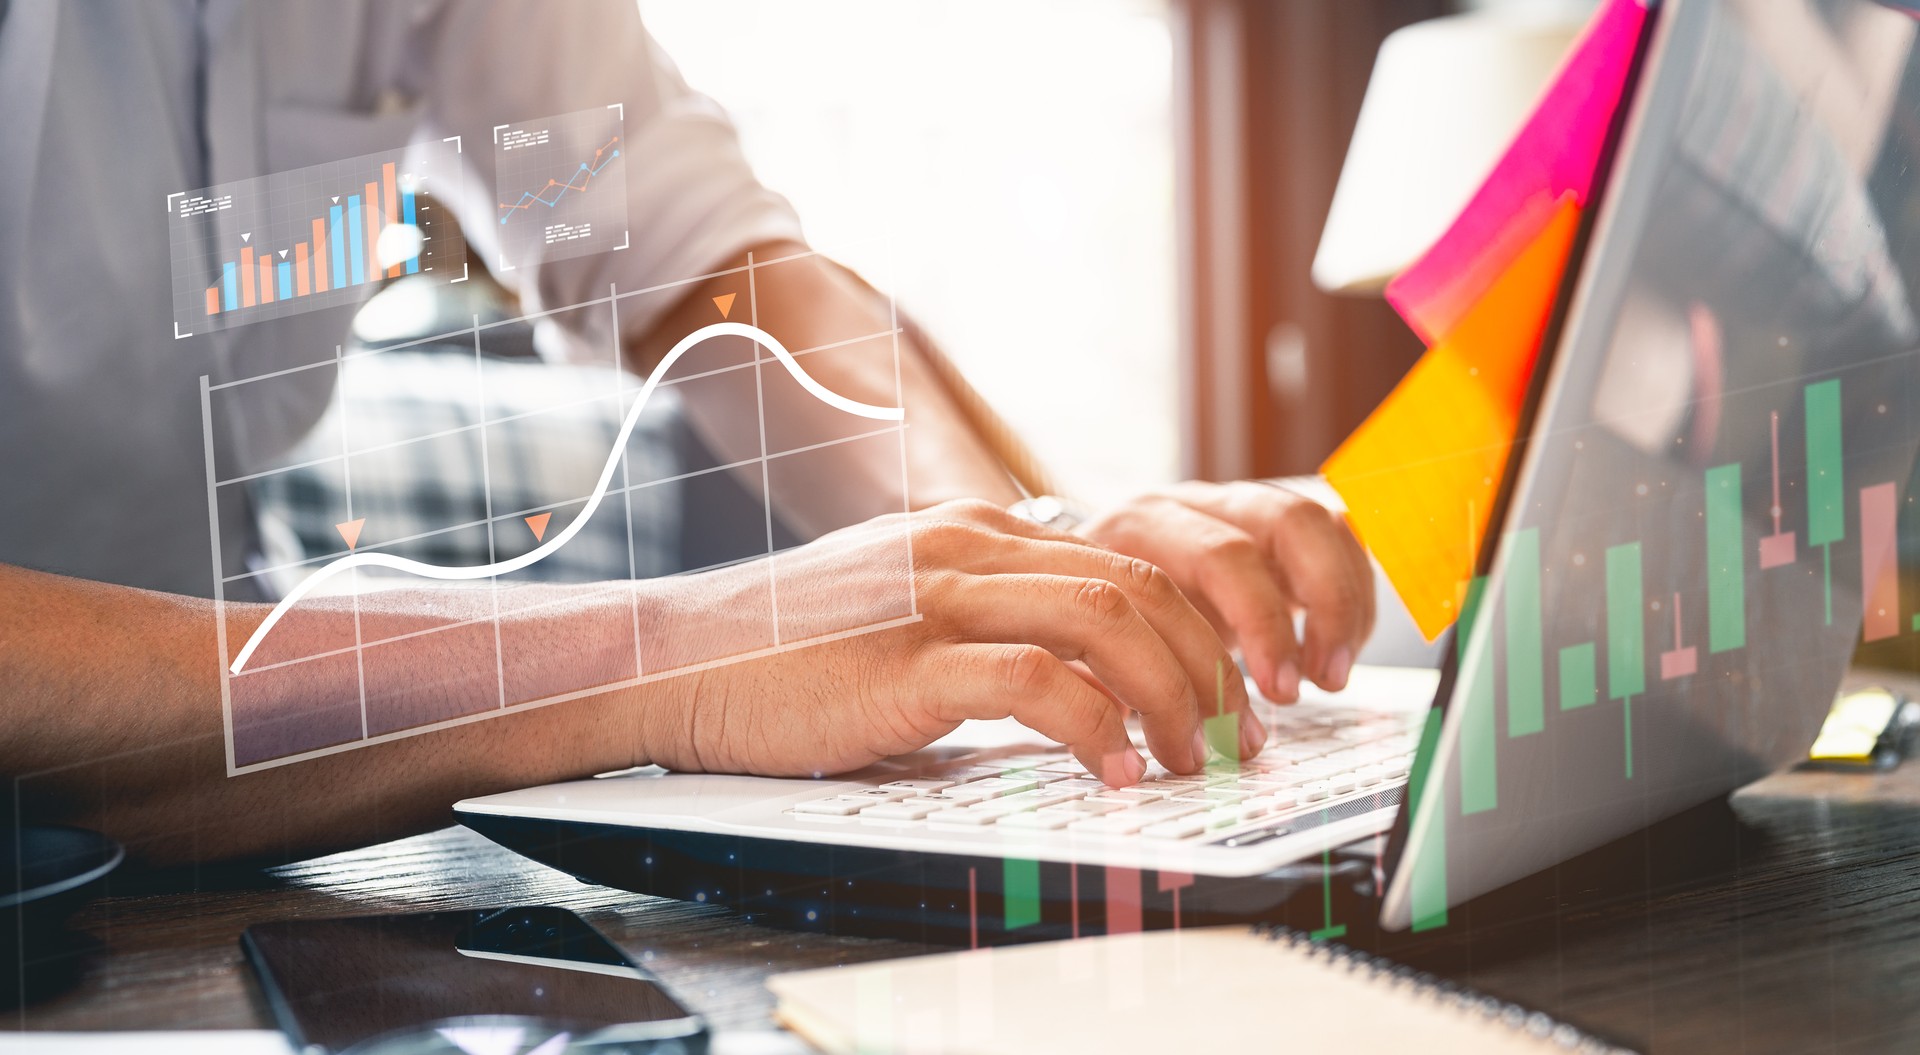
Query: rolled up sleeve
x=692, y=198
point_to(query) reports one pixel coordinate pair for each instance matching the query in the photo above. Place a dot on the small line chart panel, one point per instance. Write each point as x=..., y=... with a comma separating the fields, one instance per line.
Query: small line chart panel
x=561, y=186
x=288, y=242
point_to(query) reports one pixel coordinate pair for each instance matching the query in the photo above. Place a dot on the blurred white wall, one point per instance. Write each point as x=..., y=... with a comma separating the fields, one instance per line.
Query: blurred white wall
x=1005, y=167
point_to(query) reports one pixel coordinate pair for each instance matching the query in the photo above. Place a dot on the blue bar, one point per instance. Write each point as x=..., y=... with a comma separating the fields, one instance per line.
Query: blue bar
x=406, y=216
x=286, y=280
x=229, y=286
x=359, y=243
x=336, y=238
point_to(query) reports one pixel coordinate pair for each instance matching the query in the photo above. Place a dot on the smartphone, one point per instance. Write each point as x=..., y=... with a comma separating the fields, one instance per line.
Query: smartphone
x=335, y=983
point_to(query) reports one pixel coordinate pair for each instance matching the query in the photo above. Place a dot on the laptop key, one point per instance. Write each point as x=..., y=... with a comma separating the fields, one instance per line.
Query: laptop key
x=901, y=812
x=979, y=772
x=972, y=816
x=1036, y=758
x=1222, y=796
x=1039, y=820
x=1090, y=787
x=963, y=795
x=1135, y=796
x=1087, y=808
x=1126, y=822
x=883, y=794
x=1183, y=828
x=836, y=806
x=919, y=784
x=998, y=786
x=1029, y=800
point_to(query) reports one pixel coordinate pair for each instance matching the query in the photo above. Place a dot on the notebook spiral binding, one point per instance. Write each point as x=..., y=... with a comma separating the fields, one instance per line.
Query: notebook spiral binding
x=1468, y=1001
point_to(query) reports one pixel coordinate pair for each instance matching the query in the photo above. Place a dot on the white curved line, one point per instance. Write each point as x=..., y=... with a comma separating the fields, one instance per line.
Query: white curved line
x=483, y=571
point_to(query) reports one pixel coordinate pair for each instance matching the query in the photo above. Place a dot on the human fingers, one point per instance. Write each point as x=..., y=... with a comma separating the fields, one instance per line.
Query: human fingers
x=1172, y=725
x=1224, y=566
x=1031, y=685
x=1322, y=566
x=1090, y=620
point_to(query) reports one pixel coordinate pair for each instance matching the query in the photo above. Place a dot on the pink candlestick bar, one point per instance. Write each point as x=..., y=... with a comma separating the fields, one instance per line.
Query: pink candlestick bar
x=1778, y=548
x=1123, y=900
x=1879, y=561
x=1683, y=661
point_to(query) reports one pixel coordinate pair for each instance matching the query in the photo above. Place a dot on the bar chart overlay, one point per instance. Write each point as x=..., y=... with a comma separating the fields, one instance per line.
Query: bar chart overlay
x=289, y=242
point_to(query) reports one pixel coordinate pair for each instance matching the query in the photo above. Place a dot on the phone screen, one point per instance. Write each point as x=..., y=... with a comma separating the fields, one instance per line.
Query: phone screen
x=336, y=982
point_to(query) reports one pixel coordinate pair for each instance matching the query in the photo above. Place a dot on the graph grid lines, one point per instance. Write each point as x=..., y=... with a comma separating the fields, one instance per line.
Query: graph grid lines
x=615, y=480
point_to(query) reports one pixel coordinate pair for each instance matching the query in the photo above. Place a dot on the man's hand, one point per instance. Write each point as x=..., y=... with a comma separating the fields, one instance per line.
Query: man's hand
x=1019, y=621
x=1251, y=556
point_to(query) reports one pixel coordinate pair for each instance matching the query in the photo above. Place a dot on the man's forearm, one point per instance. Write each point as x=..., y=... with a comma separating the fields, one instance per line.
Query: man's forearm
x=115, y=722
x=846, y=340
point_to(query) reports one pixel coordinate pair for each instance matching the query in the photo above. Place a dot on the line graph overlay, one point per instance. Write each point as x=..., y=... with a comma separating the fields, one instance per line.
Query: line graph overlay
x=347, y=661
x=561, y=186
x=552, y=545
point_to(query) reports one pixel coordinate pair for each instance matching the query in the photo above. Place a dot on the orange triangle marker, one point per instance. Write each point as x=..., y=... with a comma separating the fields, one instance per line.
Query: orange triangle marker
x=725, y=303
x=538, y=523
x=350, y=530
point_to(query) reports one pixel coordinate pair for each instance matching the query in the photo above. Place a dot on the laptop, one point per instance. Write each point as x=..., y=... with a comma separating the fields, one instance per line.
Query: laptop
x=1701, y=523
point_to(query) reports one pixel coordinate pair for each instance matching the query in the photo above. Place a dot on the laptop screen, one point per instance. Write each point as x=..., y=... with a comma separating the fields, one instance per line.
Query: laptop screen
x=1706, y=516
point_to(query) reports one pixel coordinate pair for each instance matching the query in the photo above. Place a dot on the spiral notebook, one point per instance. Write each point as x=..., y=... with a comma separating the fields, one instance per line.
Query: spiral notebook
x=1156, y=992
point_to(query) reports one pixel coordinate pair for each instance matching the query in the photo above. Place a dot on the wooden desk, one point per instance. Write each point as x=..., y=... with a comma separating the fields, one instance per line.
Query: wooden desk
x=1802, y=933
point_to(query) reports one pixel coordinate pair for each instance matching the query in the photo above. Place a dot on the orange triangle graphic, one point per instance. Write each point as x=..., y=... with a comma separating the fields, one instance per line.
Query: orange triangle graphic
x=538, y=523
x=725, y=303
x=350, y=530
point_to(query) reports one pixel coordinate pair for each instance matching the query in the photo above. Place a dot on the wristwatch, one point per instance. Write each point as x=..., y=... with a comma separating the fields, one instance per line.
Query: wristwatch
x=1050, y=511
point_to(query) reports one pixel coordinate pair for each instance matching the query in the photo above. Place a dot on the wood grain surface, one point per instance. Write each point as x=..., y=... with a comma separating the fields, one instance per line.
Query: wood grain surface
x=1784, y=920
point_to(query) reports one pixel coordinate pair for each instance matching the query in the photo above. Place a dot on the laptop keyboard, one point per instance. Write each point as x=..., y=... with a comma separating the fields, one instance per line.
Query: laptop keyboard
x=1311, y=762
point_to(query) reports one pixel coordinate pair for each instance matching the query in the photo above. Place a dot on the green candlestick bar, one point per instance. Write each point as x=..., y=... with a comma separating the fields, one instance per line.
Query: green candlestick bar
x=1020, y=884
x=1826, y=502
x=1526, y=669
x=1328, y=928
x=1626, y=634
x=1579, y=684
x=1479, y=783
x=1726, y=561
x=1430, y=865
x=1222, y=731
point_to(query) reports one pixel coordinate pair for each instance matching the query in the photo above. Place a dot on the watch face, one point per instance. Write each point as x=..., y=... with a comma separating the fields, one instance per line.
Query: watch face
x=1048, y=511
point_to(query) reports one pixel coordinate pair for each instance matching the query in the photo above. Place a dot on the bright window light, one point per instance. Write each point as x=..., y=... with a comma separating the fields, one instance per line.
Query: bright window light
x=1005, y=167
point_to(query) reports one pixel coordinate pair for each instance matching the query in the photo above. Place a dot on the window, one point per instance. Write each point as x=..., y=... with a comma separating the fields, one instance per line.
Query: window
x=1005, y=168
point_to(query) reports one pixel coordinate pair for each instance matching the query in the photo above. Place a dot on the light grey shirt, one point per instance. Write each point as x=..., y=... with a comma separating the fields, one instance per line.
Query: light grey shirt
x=110, y=106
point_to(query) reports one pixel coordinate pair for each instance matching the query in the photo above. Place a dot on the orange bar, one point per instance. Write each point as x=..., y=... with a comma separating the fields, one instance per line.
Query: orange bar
x=300, y=270
x=266, y=280
x=391, y=206
x=246, y=277
x=213, y=300
x=319, y=256
x=371, y=205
